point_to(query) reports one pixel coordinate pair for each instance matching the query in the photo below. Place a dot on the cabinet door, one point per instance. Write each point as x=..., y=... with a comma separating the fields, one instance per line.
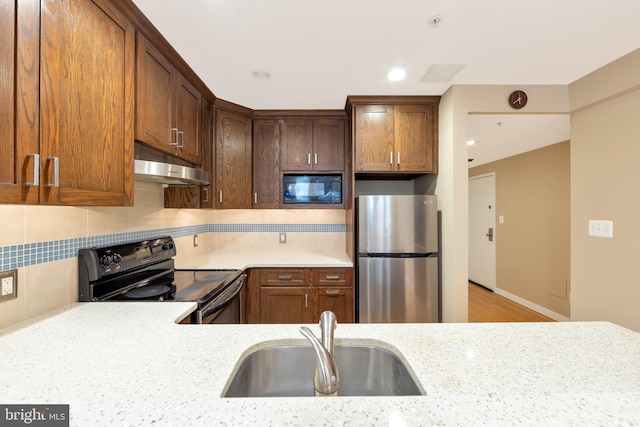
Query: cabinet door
x=87, y=103
x=196, y=197
x=296, y=151
x=286, y=305
x=19, y=64
x=336, y=299
x=251, y=296
x=155, y=89
x=233, y=160
x=188, y=116
x=208, y=155
x=328, y=144
x=266, y=164
x=9, y=179
x=374, y=138
x=414, y=138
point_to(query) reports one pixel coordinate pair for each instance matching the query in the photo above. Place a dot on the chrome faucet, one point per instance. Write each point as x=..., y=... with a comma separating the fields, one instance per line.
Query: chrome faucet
x=326, y=379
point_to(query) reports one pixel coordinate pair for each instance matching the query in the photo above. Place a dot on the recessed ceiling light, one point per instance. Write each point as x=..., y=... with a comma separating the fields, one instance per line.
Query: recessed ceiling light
x=396, y=74
x=260, y=75
x=471, y=142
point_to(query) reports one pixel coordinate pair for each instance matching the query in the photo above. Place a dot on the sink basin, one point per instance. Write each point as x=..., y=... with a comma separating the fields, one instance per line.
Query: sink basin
x=288, y=370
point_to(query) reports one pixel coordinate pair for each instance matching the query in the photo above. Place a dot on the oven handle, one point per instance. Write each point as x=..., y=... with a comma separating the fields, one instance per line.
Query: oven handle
x=216, y=305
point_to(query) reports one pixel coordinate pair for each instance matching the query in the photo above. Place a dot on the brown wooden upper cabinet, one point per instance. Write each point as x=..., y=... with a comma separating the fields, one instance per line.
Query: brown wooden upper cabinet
x=266, y=164
x=233, y=160
x=17, y=161
x=74, y=115
x=168, y=107
x=396, y=137
x=312, y=144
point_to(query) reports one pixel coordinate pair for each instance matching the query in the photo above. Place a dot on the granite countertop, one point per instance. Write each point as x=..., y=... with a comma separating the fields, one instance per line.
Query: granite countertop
x=130, y=364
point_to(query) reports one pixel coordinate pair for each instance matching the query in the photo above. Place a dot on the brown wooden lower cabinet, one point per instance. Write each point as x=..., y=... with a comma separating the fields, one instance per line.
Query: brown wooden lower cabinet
x=298, y=295
x=286, y=305
x=338, y=300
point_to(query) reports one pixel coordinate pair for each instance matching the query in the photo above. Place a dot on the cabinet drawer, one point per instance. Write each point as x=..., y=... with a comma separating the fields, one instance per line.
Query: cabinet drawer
x=332, y=277
x=284, y=277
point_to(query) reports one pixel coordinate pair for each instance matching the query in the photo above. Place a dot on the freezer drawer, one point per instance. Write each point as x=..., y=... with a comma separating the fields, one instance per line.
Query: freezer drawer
x=398, y=290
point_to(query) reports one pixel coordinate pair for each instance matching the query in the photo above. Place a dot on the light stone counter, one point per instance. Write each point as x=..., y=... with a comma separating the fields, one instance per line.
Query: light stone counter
x=130, y=364
x=242, y=260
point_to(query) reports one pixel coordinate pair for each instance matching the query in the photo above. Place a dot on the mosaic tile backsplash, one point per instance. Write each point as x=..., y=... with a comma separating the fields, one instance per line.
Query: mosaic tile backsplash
x=18, y=256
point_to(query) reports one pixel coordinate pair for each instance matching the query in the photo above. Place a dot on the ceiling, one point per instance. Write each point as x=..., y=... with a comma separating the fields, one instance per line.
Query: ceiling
x=498, y=136
x=319, y=52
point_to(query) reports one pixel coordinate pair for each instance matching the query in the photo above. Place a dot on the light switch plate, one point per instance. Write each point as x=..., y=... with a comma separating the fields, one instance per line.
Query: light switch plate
x=600, y=228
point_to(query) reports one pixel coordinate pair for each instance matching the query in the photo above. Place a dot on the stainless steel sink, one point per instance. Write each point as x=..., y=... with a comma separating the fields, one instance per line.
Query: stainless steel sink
x=288, y=370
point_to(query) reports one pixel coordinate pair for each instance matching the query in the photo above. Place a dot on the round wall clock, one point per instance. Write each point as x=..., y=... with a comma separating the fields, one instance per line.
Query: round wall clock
x=517, y=99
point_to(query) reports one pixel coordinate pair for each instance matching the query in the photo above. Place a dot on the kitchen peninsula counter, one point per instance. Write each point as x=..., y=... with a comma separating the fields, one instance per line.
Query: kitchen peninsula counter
x=131, y=364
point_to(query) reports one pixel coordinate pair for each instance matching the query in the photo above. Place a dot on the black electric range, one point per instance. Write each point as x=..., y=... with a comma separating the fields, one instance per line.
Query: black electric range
x=144, y=271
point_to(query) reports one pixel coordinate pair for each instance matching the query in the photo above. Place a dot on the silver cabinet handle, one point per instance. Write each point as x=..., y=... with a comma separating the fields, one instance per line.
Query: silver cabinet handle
x=391, y=158
x=398, y=157
x=333, y=277
x=255, y=198
x=309, y=158
x=36, y=171
x=175, y=136
x=56, y=172
x=284, y=276
x=306, y=300
x=206, y=194
x=315, y=158
x=181, y=135
x=333, y=292
x=220, y=196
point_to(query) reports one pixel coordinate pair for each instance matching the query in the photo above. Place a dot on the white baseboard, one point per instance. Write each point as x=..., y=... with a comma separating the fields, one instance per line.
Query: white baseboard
x=535, y=307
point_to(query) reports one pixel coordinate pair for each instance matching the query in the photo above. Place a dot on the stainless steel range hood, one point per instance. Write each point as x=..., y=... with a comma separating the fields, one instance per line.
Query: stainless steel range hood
x=169, y=174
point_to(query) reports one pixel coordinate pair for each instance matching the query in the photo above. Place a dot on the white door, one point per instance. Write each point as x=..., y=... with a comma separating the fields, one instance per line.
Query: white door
x=482, y=230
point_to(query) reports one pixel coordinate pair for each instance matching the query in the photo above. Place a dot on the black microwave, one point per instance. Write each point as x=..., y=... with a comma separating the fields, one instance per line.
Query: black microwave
x=312, y=189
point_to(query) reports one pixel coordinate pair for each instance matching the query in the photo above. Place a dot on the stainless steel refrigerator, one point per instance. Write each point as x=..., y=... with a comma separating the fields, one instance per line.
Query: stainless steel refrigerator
x=397, y=270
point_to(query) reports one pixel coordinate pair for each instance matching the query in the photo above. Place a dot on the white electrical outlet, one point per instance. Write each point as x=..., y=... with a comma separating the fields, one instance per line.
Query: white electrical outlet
x=283, y=237
x=8, y=284
x=599, y=228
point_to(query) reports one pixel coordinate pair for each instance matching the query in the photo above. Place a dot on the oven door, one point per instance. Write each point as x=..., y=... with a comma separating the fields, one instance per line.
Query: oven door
x=224, y=308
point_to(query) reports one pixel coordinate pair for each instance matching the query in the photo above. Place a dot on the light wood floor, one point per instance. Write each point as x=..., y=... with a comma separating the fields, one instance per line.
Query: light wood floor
x=487, y=306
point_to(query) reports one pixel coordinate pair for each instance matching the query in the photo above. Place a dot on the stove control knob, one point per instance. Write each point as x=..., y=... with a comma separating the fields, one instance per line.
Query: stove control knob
x=165, y=246
x=117, y=258
x=106, y=260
